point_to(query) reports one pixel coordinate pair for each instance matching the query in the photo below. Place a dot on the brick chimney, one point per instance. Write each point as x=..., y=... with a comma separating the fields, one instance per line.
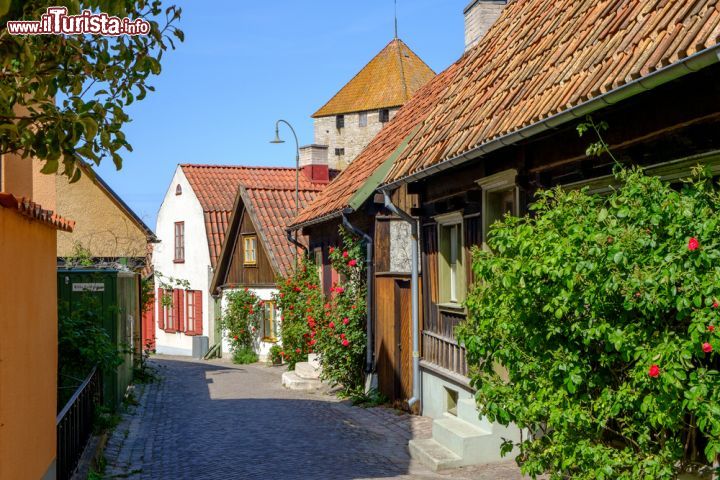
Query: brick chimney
x=314, y=163
x=479, y=17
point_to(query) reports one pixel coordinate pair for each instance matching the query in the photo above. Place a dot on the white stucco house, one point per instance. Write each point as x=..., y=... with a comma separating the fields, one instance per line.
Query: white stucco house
x=191, y=227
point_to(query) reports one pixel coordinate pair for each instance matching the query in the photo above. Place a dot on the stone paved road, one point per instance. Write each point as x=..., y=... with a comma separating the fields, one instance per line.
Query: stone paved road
x=215, y=420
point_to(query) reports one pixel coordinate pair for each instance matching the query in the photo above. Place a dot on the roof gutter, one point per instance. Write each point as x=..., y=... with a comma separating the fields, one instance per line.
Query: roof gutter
x=315, y=221
x=691, y=64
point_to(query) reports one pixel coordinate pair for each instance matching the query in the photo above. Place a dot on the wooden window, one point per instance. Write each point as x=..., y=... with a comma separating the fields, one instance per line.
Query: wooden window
x=500, y=196
x=340, y=121
x=193, y=312
x=362, y=119
x=178, y=190
x=384, y=115
x=179, y=242
x=250, y=250
x=269, y=326
x=450, y=259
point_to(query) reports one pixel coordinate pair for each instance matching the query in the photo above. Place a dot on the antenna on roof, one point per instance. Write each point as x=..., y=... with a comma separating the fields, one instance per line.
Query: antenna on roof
x=396, y=36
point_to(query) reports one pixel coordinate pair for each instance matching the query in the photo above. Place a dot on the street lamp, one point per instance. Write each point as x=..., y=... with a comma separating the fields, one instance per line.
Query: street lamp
x=278, y=140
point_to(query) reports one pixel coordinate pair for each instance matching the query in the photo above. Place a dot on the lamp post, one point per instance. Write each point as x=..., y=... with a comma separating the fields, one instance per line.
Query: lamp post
x=278, y=140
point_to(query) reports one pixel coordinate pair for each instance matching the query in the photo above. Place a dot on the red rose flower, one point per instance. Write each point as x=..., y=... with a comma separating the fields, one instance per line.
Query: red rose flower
x=312, y=342
x=352, y=263
x=345, y=254
x=654, y=371
x=346, y=321
x=716, y=304
x=345, y=343
x=706, y=347
x=235, y=337
x=331, y=325
x=342, y=335
x=339, y=290
x=693, y=244
x=711, y=328
x=282, y=354
x=297, y=350
x=332, y=249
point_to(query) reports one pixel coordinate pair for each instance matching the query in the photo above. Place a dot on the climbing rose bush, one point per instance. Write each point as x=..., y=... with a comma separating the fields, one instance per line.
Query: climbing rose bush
x=300, y=300
x=241, y=319
x=592, y=323
x=340, y=334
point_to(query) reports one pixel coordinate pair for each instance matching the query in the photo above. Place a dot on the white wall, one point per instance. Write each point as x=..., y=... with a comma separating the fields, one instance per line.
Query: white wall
x=434, y=395
x=261, y=348
x=196, y=269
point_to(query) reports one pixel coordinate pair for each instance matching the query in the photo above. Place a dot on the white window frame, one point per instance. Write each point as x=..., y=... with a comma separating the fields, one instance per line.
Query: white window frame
x=497, y=182
x=455, y=295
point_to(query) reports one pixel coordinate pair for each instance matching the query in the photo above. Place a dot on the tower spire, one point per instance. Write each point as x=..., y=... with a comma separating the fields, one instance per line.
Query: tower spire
x=396, y=22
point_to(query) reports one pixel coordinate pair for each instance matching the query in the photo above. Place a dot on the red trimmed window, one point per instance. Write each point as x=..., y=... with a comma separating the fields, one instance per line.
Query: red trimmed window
x=179, y=242
x=193, y=312
x=172, y=318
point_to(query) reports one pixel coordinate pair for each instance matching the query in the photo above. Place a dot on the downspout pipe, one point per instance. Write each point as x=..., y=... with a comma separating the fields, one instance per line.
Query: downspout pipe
x=369, y=297
x=295, y=242
x=415, y=295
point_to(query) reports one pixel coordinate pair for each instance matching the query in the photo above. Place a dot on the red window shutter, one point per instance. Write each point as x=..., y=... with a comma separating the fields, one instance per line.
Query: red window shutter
x=180, y=325
x=198, y=330
x=161, y=309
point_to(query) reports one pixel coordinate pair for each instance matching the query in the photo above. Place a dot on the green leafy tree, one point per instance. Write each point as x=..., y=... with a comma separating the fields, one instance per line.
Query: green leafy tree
x=594, y=325
x=93, y=78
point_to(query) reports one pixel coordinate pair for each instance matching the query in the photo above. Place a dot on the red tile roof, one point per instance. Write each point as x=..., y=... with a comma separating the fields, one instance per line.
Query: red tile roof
x=35, y=212
x=337, y=195
x=543, y=58
x=389, y=80
x=271, y=210
x=216, y=187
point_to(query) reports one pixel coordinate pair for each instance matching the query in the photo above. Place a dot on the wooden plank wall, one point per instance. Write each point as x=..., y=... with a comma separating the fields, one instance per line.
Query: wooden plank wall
x=239, y=274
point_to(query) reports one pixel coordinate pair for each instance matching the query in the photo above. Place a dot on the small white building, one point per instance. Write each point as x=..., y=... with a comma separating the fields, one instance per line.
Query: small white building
x=191, y=227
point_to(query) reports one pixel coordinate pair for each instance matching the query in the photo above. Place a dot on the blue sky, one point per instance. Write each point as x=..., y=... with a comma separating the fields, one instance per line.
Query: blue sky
x=244, y=64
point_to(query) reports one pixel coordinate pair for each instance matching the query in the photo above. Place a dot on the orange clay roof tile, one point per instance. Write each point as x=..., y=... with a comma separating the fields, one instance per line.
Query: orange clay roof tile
x=35, y=212
x=216, y=187
x=542, y=58
x=389, y=80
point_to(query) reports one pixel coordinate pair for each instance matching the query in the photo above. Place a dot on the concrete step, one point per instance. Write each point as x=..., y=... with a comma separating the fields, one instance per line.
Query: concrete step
x=307, y=370
x=293, y=381
x=465, y=439
x=467, y=411
x=433, y=455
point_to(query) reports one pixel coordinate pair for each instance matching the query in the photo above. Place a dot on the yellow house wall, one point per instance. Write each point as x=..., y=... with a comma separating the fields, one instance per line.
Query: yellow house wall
x=28, y=347
x=101, y=226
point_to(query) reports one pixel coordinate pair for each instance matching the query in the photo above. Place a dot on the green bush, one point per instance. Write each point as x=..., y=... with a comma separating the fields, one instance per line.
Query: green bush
x=593, y=325
x=300, y=300
x=244, y=356
x=275, y=354
x=340, y=331
x=241, y=319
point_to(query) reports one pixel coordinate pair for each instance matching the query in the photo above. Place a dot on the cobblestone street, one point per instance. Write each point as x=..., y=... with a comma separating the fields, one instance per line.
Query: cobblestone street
x=215, y=420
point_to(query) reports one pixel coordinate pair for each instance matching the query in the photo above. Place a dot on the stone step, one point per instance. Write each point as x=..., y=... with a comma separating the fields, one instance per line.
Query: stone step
x=307, y=370
x=433, y=455
x=293, y=381
x=465, y=439
x=467, y=411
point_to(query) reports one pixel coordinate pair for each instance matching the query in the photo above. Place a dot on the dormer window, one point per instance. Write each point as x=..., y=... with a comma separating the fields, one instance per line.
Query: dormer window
x=340, y=121
x=178, y=190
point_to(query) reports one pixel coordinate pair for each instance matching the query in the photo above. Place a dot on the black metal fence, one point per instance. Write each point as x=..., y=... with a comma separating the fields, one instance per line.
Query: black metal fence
x=75, y=424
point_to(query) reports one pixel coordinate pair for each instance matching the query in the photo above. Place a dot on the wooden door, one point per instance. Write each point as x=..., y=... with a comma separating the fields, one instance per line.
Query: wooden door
x=403, y=333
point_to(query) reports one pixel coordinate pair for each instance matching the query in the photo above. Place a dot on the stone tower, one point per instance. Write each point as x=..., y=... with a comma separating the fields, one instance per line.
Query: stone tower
x=351, y=119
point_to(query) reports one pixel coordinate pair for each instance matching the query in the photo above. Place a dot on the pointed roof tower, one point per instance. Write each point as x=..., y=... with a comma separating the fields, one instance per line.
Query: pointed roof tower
x=389, y=80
